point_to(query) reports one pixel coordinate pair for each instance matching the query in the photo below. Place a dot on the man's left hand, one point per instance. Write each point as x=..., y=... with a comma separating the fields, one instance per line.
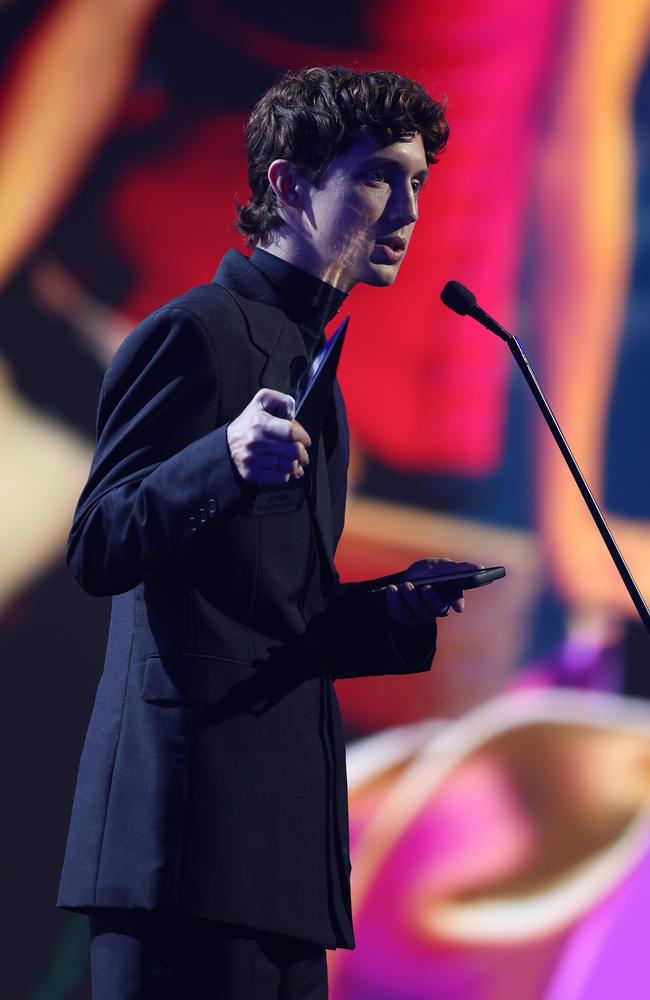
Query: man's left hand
x=409, y=604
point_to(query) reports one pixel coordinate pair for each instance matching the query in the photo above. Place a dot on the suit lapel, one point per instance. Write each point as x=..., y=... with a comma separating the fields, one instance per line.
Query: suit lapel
x=268, y=327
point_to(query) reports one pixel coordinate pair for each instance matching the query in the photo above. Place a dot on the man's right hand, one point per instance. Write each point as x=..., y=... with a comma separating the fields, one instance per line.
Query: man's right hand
x=266, y=444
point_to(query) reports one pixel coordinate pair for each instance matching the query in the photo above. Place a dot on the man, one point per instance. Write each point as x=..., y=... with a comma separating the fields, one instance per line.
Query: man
x=209, y=840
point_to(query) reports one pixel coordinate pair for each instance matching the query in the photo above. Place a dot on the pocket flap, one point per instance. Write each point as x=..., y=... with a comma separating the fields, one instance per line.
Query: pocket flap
x=173, y=678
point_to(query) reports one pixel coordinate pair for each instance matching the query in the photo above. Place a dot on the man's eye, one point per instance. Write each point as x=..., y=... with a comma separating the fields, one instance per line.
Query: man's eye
x=417, y=186
x=376, y=176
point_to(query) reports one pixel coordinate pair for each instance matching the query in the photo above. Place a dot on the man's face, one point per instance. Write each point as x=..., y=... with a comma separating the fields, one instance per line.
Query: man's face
x=361, y=216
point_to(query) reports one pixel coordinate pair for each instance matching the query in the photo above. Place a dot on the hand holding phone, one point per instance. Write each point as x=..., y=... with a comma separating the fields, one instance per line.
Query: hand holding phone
x=430, y=588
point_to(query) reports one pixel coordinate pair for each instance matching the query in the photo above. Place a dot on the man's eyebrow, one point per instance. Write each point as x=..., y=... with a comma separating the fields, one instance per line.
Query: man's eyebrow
x=385, y=161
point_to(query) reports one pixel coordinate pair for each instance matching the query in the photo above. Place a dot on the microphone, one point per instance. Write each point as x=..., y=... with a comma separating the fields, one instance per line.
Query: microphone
x=459, y=299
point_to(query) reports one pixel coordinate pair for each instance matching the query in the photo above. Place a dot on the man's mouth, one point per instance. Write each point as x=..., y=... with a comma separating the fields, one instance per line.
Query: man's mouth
x=394, y=242
x=392, y=248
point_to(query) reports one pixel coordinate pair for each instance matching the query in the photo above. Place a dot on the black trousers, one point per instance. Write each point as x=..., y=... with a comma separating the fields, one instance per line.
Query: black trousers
x=154, y=955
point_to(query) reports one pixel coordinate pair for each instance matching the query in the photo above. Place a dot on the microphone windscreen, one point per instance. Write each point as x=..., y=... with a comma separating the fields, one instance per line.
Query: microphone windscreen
x=455, y=296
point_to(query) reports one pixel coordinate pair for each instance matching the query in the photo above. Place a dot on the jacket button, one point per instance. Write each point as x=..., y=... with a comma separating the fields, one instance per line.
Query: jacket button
x=193, y=524
x=212, y=507
x=203, y=515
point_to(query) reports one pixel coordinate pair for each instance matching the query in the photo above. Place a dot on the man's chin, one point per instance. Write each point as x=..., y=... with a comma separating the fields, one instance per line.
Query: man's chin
x=381, y=275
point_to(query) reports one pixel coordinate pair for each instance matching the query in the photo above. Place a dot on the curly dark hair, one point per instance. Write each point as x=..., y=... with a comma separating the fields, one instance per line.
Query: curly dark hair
x=314, y=115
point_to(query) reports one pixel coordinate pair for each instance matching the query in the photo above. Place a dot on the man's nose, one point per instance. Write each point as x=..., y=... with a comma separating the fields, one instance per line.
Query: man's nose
x=405, y=206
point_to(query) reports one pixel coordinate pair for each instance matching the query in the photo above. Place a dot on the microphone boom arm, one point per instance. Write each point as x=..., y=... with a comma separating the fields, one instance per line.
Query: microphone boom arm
x=474, y=310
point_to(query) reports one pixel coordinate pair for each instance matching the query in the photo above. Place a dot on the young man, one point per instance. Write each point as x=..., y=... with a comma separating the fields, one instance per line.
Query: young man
x=209, y=840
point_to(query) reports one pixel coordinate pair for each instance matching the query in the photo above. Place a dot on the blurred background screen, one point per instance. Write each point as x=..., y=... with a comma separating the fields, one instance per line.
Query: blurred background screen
x=499, y=803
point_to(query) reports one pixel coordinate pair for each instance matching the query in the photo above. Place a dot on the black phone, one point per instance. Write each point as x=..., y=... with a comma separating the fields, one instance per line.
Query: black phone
x=453, y=583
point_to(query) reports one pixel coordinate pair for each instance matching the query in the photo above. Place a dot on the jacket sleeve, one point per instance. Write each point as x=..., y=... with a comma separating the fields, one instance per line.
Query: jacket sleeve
x=161, y=468
x=363, y=641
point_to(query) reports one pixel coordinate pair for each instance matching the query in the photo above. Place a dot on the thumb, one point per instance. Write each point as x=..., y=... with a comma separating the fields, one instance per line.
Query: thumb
x=277, y=403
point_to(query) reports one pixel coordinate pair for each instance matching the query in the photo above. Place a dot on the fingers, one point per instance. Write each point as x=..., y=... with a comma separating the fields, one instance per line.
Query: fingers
x=266, y=444
x=436, y=604
x=270, y=477
x=279, y=409
x=287, y=457
x=397, y=605
x=275, y=429
x=452, y=600
x=284, y=468
x=278, y=403
x=411, y=605
x=290, y=450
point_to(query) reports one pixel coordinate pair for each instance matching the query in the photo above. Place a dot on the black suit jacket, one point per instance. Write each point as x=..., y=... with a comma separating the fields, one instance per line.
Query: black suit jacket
x=213, y=772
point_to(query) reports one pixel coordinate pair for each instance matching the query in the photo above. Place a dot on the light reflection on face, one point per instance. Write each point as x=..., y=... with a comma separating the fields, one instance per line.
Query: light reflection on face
x=359, y=220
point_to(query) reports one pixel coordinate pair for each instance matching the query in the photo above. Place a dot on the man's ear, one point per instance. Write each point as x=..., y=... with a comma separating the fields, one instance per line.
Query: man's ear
x=287, y=184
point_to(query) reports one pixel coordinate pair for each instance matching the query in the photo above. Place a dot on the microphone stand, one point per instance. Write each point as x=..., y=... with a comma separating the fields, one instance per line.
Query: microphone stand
x=517, y=352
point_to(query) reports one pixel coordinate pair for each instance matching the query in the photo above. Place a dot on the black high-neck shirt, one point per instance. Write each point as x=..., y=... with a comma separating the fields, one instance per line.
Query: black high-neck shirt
x=308, y=301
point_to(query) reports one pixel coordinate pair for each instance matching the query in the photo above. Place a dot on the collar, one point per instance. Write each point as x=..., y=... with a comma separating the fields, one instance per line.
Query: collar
x=236, y=273
x=315, y=302
x=308, y=301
